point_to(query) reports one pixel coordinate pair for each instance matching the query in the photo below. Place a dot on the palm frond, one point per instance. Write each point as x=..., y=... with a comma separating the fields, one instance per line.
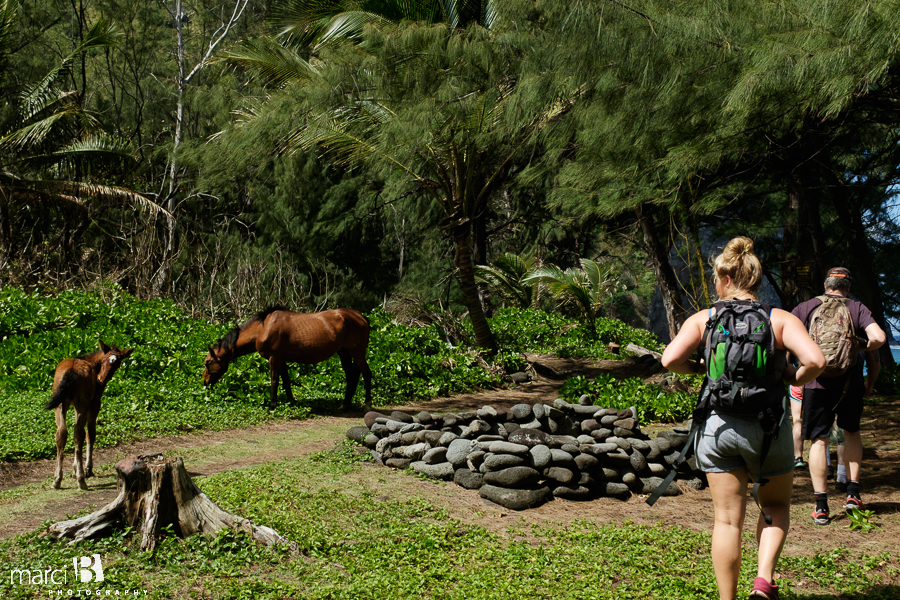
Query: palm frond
x=505, y=278
x=584, y=288
x=592, y=272
x=35, y=133
x=350, y=135
x=302, y=20
x=35, y=98
x=489, y=14
x=81, y=155
x=92, y=192
x=8, y=12
x=26, y=193
x=272, y=63
x=350, y=25
x=100, y=144
x=451, y=14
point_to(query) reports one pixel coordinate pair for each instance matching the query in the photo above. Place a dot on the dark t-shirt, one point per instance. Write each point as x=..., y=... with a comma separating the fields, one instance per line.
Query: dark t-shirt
x=862, y=318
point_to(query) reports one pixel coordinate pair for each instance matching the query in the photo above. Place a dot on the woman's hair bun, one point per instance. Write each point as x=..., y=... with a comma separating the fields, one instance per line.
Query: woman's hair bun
x=740, y=263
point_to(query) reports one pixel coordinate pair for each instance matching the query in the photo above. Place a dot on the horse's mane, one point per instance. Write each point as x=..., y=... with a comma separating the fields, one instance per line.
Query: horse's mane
x=96, y=354
x=230, y=338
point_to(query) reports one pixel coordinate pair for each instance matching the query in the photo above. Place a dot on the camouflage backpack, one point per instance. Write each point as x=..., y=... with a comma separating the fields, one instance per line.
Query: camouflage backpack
x=831, y=327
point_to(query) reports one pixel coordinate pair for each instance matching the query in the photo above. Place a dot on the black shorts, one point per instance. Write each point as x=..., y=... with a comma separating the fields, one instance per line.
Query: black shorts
x=819, y=411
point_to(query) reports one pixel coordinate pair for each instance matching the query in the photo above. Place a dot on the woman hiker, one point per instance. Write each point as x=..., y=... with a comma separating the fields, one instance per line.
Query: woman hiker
x=728, y=446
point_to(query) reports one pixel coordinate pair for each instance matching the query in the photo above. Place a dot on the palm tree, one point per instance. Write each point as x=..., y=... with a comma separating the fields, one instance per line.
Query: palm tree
x=51, y=145
x=431, y=108
x=506, y=278
x=585, y=288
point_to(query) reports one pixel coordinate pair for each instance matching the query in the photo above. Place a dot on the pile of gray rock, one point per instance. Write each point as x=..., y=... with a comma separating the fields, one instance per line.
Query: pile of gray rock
x=532, y=453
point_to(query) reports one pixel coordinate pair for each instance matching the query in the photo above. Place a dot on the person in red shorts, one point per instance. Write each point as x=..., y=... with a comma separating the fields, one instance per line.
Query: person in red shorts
x=796, y=395
x=842, y=397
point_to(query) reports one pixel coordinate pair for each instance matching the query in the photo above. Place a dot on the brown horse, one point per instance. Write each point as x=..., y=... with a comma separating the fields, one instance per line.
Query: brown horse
x=80, y=382
x=281, y=336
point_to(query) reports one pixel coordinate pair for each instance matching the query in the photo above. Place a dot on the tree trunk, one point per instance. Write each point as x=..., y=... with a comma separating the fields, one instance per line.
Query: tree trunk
x=155, y=493
x=465, y=273
x=865, y=278
x=806, y=267
x=5, y=230
x=163, y=273
x=665, y=274
x=789, y=290
x=183, y=80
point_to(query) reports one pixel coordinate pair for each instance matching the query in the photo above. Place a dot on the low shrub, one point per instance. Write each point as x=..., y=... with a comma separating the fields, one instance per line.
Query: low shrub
x=652, y=403
x=159, y=389
x=532, y=330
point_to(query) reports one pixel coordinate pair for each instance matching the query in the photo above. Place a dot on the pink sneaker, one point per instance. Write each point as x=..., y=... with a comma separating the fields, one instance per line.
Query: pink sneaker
x=764, y=589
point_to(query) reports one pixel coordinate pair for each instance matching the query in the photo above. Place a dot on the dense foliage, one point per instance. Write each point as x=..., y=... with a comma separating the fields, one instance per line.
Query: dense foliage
x=158, y=390
x=533, y=330
x=368, y=541
x=653, y=404
x=317, y=155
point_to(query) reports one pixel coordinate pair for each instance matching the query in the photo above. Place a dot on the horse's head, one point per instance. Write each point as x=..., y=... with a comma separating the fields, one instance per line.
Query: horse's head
x=215, y=364
x=109, y=361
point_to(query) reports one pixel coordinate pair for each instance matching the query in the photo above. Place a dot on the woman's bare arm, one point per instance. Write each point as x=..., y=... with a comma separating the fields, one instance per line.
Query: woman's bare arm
x=677, y=355
x=796, y=340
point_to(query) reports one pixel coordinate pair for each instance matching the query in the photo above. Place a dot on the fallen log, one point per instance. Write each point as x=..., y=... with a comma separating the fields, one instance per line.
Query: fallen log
x=641, y=351
x=154, y=493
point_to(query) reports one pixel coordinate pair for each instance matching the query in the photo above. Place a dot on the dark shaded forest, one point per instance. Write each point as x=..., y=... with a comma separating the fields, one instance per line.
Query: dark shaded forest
x=459, y=156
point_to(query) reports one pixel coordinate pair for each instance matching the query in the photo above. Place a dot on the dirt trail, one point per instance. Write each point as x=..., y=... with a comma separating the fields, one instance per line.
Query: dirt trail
x=26, y=502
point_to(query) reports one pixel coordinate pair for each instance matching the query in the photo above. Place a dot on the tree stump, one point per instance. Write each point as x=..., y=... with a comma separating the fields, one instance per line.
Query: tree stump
x=154, y=493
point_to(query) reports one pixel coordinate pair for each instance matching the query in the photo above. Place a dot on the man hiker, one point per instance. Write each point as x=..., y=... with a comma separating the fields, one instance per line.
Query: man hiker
x=838, y=395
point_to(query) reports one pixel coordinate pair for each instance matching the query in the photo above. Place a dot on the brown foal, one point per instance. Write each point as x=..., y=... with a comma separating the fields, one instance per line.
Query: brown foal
x=79, y=382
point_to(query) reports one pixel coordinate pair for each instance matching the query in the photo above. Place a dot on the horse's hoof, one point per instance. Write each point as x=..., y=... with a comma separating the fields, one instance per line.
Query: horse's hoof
x=57, y=483
x=90, y=473
x=82, y=485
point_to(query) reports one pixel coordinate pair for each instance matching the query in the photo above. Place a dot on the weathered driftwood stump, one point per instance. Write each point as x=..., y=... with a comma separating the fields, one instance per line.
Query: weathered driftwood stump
x=155, y=493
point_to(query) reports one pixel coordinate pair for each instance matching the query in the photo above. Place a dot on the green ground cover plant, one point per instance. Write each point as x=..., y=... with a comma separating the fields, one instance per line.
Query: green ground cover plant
x=533, y=330
x=158, y=390
x=652, y=403
x=357, y=544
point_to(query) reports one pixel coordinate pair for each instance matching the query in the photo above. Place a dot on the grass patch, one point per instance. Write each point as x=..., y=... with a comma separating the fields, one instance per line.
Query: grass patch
x=359, y=545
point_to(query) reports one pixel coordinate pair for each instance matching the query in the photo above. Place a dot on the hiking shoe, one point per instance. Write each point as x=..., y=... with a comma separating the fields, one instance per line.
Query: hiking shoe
x=854, y=502
x=798, y=463
x=820, y=516
x=764, y=589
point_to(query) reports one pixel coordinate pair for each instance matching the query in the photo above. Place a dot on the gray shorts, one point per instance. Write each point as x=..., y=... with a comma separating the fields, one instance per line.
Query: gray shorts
x=728, y=443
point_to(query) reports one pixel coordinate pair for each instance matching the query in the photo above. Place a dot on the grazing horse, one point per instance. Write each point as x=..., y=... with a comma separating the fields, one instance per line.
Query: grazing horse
x=80, y=382
x=282, y=336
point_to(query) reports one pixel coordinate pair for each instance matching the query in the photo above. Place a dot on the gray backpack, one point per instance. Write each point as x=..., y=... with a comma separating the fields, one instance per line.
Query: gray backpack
x=831, y=327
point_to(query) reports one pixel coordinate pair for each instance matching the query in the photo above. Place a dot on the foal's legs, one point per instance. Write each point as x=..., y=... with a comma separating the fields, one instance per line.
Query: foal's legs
x=80, y=422
x=61, y=436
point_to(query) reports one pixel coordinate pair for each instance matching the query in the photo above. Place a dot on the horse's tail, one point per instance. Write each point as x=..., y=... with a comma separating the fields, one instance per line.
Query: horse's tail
x=66, y=388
